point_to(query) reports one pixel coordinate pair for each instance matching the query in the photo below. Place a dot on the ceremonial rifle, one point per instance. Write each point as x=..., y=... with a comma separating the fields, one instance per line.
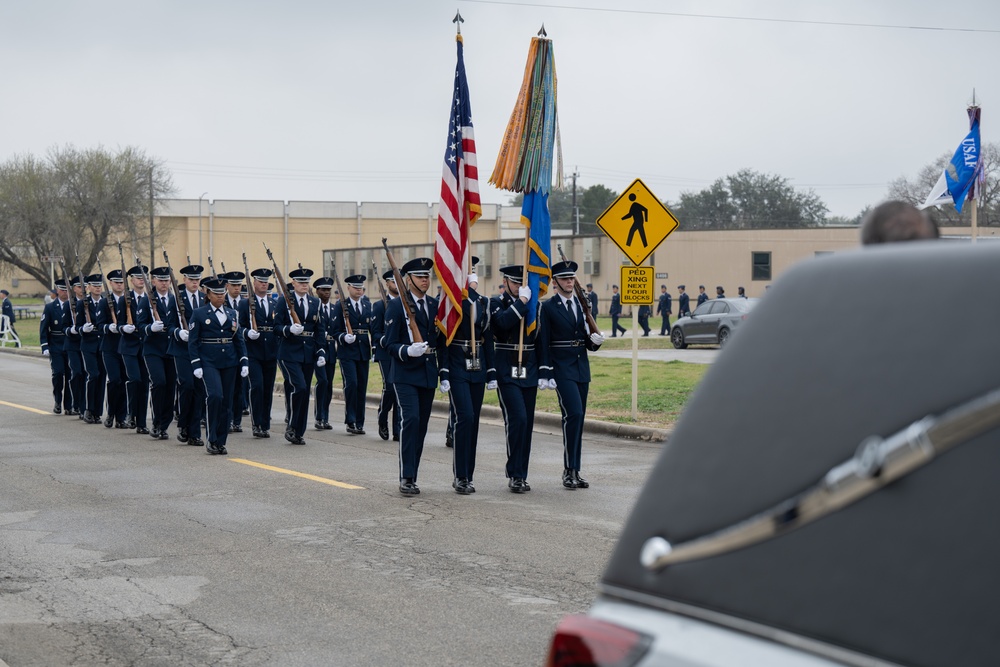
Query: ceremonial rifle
x=251, y=298
x=83, y=284
x=280, y=282
x=343, y=301
x=582, y=296
x=148, y=289
x=403, y=294
x=212, y=267
x=108, y=298
x=381, y=287
x=177, y=293
x=70, y=292
x=128, y=287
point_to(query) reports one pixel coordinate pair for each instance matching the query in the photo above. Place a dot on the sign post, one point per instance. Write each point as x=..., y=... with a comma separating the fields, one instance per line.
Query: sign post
x=637, y=222
x=52, y=260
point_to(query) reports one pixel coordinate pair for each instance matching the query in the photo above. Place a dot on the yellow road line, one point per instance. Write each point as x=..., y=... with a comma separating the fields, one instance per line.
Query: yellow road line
x=24, y=407
x=324, y=480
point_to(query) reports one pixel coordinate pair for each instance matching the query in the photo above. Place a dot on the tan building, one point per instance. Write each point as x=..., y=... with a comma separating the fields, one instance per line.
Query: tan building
x=349, y=235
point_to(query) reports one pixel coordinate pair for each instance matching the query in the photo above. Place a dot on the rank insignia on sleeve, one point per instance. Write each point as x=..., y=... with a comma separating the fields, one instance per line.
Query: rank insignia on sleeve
x=191, y=325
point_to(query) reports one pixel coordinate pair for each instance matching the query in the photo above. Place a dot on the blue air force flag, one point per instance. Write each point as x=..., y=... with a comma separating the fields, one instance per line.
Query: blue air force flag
x=959, y=176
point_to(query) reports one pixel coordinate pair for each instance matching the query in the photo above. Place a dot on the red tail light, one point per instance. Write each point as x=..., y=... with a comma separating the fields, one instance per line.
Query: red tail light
x=582, y=641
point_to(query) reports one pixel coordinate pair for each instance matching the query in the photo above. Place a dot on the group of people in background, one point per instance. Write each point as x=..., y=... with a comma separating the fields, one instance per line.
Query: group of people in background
x=140, y=351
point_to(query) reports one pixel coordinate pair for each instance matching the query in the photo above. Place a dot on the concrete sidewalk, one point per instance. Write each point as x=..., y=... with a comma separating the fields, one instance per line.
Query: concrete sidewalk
x=705, y=355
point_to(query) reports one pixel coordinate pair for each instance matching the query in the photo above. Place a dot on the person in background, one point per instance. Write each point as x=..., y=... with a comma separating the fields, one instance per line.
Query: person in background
x=664, y=309
x=8, y=310
x=644, y=313
x=702, y=297
x=741, y=293
x=387, y=403
x=52, y=337
x=720, y=293
x=592, y=297
x=683, y=302
x=615, y=312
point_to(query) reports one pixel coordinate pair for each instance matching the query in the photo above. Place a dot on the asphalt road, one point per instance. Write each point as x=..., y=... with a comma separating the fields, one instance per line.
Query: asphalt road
x=116, y=549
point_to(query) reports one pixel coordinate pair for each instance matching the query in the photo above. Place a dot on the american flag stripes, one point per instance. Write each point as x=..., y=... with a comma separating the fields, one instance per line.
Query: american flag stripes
x=460, y=205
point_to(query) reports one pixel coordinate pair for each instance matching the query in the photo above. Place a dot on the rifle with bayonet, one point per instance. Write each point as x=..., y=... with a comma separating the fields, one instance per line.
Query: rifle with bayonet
x=108, y=297
x=404, y=295
x=378, y=281
x=181, y=319
x=148, y=289
x=128, y=287
x=343, y=301
x=251, y=299
x=71, y=292
x=86, y=296
x=280, y=282
x=212, y=268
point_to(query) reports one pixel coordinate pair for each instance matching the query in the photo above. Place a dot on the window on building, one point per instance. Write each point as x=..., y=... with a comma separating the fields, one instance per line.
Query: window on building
x=485, y=267
x=761, y=265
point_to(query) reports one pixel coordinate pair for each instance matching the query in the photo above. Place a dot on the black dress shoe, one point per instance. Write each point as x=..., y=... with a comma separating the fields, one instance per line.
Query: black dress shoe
x=142, y=430
x=383, y=431
x=212, y=449
x=89, y=418
x=327, y=427
x=196, y=442
x=246, y=411
x=581, y=483
x=318, y=426
x=155, y=434
x=396, y=437
x=463, y=487
x=56, y=409
x=409, y=488
x=518, y=486
x=109, y=422
x=569, y=481
x=122, y=425
x=129, y=422
x=164, y=435
x=182, y=434
x=449, y=438
x=265, y=434
x=359, y=429
x=352, y=429
x=222, y=450
x=72, y=413
x=257, y=432
x=289, y=435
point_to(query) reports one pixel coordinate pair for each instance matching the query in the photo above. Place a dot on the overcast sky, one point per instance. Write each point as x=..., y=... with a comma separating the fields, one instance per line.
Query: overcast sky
x=348, y=101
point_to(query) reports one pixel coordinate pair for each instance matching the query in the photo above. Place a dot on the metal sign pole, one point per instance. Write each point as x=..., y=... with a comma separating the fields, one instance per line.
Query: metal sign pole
x=635, y=364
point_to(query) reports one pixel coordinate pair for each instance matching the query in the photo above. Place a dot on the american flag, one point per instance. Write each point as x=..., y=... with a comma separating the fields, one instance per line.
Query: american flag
x=460, y=206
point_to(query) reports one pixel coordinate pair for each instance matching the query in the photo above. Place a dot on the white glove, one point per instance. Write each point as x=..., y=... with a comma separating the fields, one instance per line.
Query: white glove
x=113, y=328
x=72, y=329
x=156, y=326
x=350, y=338
x=198, y=373
x=445, y=386
x=524, y=292
x=128, y=328
x=88, y=327
x=416, y=349
x=491, y=385
x=321, y=362
x=543, y=384
x=473, y=278
x=183, y=333
x=296, y=329
x=244, y=371
x=253, y=334
x=596, y=338
x=552, y=383
x=45, y=353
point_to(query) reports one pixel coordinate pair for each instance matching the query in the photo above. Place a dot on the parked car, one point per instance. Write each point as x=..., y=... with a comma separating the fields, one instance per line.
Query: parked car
x=829, y=494
x=711, y=323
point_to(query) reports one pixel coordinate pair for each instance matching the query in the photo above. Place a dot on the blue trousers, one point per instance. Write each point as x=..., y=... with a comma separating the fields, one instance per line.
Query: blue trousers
x=354, y=373
x=573, y=404
x=466, y=403
x=163, y=378
x=324, y=390
x=219, y=384
x=665, y=327
x=136, y=388
x=190, y=398
x=60, y=378
x=114, y=369
x=415, y=405
x=77, y=379
x=262, y=374
x=518, y=407
x=388, y=401
x=300, y=377
x=93, y=364
x=615, y=327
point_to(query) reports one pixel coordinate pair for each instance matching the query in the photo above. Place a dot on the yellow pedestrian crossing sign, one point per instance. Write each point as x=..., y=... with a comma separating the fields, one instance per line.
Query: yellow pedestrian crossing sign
x=637, y=222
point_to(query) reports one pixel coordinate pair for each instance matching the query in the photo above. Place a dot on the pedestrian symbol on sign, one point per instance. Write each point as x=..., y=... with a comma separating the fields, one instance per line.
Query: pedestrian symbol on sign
x=639, y=215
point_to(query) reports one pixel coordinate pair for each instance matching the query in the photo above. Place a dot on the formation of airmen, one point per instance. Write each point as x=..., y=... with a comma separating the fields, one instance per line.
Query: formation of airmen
x=141, y=351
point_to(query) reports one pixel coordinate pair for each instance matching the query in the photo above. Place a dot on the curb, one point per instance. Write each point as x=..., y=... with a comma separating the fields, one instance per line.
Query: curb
x=592, y=426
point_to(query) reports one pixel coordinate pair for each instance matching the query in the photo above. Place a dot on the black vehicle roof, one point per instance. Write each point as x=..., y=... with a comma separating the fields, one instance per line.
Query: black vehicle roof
x=864, y=342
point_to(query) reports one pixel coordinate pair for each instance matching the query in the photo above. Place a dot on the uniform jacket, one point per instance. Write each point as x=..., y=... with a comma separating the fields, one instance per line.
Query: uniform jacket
x=645, y=312
x=264, y=348
x=616, y=305
x=304, y=349
x=8, y=310
x=361, y=349
x=702, y=298
x=683, y=304
x=665, y=305
x=378, y=329
x=131, y=344
x=506, y=314
x=456, y=354
x=90, y=342
x=155, y=343
x=50, y=329
x=592, y=297
x=72, y=340
x=109, y=340
x=563, y=342
x=199, y=300
x=204, y=326
x=417, y=371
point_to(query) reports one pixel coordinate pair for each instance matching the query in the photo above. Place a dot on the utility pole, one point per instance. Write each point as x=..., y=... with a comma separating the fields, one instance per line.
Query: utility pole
x=576, y=209
x=152, y=237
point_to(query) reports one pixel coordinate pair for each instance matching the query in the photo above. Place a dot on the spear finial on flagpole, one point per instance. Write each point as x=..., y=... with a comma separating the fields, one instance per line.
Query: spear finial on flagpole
x=541, y=31
x=458, y=21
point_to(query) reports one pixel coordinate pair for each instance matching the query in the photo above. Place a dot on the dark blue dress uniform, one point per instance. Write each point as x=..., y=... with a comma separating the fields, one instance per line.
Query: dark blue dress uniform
x=387, y=402
x=663, y=309
x=563, y=342
x=262, y=353
x=136, y=305
x=517, y=384
x=324, y=374
x=190, y=391
x=683, y=302
x=355, y=357
x=616, y=311
x=74, y=359
x=468, y=375
x=702, y=297
x=241, y=397
x=90, y=351
x=159, y=363
x=644, y=313
x=413, y=378
x=218, y=351
x=299, y=353
x=52, y=337
x=113, y=367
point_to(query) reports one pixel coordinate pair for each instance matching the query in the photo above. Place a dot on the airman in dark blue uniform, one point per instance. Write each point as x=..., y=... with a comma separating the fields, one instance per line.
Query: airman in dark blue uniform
x=683, y=302
x=615, y=312
x=234, y=297
x=156, y=325
x=90, y=322
x=517, y=375
x=414, y=369
x=387, y=402
x=133, y=307
x=114, y=368
x=702, y=296
x=466, y=374
x=218, y=355
x=52, y=338
x=664, y=308
x=74, y=359
x=262, y=349
x=563, y=343
x=354, y=351
x=300, y=351
x=190, y=392
x=324, y=374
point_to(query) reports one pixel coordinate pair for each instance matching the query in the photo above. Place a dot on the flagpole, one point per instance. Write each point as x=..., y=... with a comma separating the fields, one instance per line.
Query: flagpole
x=524, y=281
